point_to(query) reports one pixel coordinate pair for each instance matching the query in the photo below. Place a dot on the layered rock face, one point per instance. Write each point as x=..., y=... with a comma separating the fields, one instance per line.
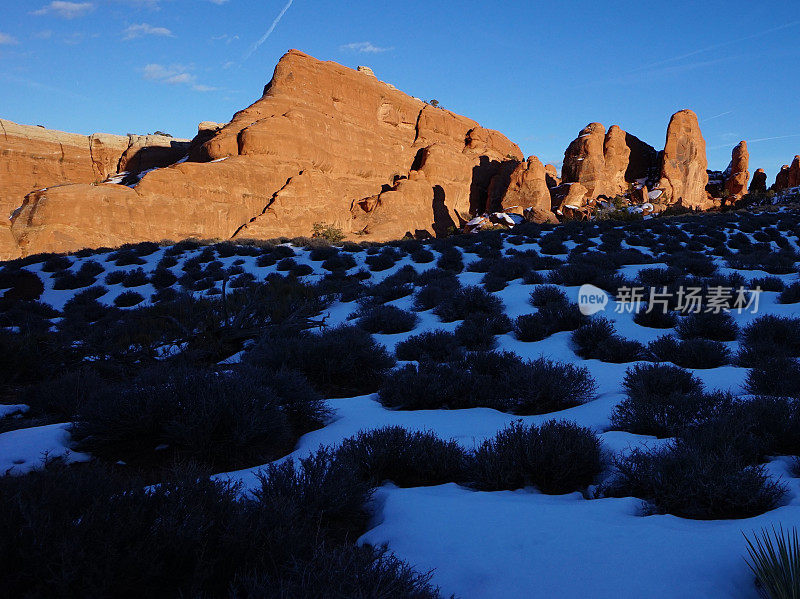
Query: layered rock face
x=607, y=164
x=789, y=176
x=683, y=167
x=528, y=187
x=759, y=182
x=737, y=174
x=324, y=144
x=33, y=158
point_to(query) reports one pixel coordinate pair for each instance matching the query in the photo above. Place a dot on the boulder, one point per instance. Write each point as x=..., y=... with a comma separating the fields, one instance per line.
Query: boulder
x=738, y=174
x=759, y=182
x=568, y=194
x=527, y=187
x=683, y=167
x=324, y=144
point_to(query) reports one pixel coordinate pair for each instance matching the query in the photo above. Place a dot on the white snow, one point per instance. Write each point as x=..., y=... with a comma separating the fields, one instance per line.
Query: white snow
x=26, y=449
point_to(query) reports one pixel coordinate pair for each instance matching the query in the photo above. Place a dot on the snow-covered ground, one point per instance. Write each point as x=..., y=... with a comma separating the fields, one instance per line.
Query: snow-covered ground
x=506, y=544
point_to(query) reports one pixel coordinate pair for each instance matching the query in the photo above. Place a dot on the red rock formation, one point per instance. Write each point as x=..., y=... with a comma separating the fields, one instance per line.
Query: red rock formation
x=789, y=176
x=568, y=194
x=683, y=168
x=551, y=175
x=527, y=187
x=34, y=158
x=759, y=182
x=606, y=164
x=738, y=174
x=584, y=162
x=324, y=144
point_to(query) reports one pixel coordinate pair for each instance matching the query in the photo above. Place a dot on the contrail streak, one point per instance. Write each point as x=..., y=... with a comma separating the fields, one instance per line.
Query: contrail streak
x=716, y=116
x=269, y=31
x=755, y=141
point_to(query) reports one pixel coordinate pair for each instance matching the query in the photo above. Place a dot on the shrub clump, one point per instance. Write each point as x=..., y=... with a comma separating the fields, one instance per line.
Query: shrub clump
x=597, y=339
x=556, y=457
x=386, y=319
x=408, y=459
x=717, y=326
x=468, y=301
x=662, y=400
x=499, y=380
x=692, y=481
x=690, y=353
x=340, y=361
x=769, y=337
x=436, y=346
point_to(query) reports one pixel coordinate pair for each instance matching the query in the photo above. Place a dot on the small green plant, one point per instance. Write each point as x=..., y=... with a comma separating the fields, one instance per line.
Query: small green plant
x=327, y=232
x=774, y=559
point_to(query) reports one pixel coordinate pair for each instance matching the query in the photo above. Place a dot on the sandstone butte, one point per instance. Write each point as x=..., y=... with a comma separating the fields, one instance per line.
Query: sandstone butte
x=329, y=144
x=324, y=143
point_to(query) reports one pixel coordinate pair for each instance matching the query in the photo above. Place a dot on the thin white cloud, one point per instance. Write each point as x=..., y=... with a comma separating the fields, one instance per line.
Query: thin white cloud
x=7, y=40
x=45, y=34
x=218, y=2
x=364, y=48
x=142, y=29
x=174, y=74
x=272, y=27
x=65, y=10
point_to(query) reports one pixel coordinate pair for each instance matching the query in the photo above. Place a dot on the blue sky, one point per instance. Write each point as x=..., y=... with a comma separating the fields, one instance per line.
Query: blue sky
x=536, y=71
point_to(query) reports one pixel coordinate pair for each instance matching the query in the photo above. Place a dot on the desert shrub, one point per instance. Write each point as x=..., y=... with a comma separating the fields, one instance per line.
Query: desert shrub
x=400, y=284
x=125, y=257
x=499, y=380
x=556, y=457
x=769, y=337
x=778, y=376
x=689, y=353
x=266, y=259
x=552, y=244
x=286, y=264
x=339, y=261
x=662, y=400
x=408, y=459
x=320, y=253
x=422, y=256
x=66, y=279
x=689, y=481
x=477, y=333
x=719, y=326
x=437, y=285
x=127, y=299
x=450, y=259
x=219, y=421
x=775, y=263
x=115, y=277
x=548, y=294
x=437, y=346
x=382, y=261
x=29, y=356
x=655, y=318
x=551, y=318
x=162, y=278
x=386, y=319
x=768, y=284
x=83, y=307
x=694, y=263
x=657, y=277
x=56, y=263
x=468, y=301
x=135, y=278
x=597, y=339
x=790, y=295
x=327, y=232
x=339, y=362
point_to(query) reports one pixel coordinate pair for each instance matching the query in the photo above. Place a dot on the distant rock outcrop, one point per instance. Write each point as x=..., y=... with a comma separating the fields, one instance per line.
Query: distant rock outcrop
x=683, y=167
x=584, y=162
x=325, y=143
x=788, y=177
x=759, y=182
x=737, y=174
x=33, y=158
x=551, y=175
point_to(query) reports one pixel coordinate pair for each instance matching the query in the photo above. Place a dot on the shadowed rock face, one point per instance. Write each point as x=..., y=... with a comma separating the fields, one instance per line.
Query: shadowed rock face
x=324, y=144
x=527, y=187
x=738, y=174
x=33, y=158
x=759, y=182
x=683, y=168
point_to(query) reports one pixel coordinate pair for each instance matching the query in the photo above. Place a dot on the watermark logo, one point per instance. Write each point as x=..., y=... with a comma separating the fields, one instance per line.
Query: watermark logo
x=591, y=300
